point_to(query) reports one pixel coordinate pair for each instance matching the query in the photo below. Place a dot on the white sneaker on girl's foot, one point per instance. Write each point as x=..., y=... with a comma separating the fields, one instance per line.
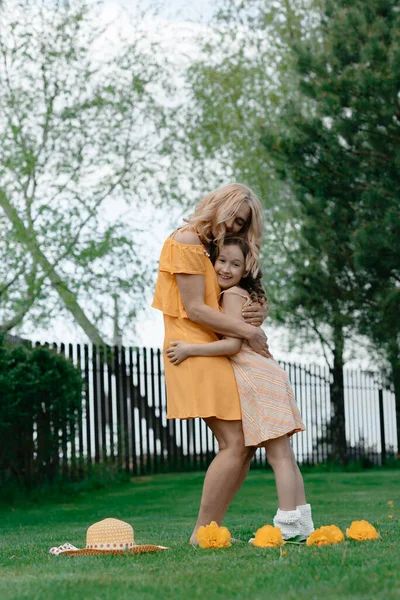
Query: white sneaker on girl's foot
x=288, y=522
x=306, y=522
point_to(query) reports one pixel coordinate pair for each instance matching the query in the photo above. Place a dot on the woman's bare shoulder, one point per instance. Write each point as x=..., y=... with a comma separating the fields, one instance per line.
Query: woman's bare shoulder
x=188, y=236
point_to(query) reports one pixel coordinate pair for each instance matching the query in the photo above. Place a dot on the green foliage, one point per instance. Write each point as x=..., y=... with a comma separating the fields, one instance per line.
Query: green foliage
x=342, y=154
x=40, y=401
x=341, y=159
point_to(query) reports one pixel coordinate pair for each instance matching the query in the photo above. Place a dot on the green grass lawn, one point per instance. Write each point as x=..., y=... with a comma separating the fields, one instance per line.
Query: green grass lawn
x=162, y=510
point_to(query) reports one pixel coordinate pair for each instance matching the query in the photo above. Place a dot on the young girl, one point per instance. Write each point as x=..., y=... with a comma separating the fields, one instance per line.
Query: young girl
x=269, y=411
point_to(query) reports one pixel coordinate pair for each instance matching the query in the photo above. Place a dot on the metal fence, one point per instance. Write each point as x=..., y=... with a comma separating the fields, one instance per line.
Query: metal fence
x=123, y=418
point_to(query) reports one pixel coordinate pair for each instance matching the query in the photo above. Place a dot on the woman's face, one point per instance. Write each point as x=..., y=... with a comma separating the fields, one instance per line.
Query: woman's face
x=229, y=266
x=238, y=221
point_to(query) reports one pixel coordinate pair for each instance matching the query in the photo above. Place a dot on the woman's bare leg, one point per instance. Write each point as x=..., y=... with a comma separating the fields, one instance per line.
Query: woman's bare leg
x=242, y=475
x=225, y=474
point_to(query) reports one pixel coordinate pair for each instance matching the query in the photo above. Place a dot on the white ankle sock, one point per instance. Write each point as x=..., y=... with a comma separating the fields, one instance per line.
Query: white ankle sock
x=306, y=521
x=288, y=522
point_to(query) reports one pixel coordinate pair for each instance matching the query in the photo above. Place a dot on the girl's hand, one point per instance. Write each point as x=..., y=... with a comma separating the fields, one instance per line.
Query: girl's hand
x=255, y=313
x=178, y=352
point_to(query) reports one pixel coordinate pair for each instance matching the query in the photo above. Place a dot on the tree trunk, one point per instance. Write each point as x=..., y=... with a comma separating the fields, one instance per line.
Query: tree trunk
x=337, y=428
x=27, y=239
x=394, y=359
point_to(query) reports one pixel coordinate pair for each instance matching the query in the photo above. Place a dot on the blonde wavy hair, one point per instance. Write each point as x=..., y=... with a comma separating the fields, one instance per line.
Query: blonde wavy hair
x=220, y=206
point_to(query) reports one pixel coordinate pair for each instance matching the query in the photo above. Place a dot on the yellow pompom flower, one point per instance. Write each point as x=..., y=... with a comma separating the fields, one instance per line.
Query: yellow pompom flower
x=318, y=538
x=324, y=536
x=335, y=533
x=361, y=531
x=213, y=536
x=268, y=537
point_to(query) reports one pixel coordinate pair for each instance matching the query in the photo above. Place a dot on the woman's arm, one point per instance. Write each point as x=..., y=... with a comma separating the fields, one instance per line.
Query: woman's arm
x=180, y=351
x=255, y=313
x=191, y=289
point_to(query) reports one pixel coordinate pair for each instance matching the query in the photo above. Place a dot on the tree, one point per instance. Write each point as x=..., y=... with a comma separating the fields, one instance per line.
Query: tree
x=341, y=159
x=82, y=137
x=370, y=92
x=41, y=398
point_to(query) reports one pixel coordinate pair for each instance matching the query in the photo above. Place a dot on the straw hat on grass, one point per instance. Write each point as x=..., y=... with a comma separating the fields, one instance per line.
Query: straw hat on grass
x=109, y=536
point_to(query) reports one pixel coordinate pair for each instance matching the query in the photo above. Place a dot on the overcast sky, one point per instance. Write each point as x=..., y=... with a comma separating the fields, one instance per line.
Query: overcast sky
x=198, y=11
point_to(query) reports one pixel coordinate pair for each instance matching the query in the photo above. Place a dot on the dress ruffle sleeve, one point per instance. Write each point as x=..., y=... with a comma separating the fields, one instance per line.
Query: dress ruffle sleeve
x=176, y=258
x=182, y=258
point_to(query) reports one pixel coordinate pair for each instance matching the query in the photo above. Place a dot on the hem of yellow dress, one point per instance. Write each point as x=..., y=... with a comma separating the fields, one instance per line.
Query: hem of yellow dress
x=171, y=313
x=182, y=271
x=205, y=417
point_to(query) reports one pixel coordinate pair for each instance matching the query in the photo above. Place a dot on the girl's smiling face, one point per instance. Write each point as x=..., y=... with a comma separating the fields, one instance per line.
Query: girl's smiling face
x=229, y=266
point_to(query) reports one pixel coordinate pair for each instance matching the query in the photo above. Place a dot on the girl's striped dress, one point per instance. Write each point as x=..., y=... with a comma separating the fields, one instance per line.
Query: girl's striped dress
x=269, y=409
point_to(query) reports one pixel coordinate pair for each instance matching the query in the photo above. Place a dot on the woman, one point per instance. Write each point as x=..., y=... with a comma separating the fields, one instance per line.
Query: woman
x=187, y=293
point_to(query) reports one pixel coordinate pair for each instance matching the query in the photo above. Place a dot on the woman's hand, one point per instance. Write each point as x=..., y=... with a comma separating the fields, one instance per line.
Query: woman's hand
x=178, y=352
x=259, y=342
x=255, y=313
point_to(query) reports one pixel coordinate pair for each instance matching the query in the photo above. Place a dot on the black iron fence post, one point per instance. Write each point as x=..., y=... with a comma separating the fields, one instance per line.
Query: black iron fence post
x=382, y=426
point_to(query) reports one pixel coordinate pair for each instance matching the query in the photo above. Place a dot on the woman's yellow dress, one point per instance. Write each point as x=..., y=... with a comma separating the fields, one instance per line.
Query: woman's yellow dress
x=200, y=386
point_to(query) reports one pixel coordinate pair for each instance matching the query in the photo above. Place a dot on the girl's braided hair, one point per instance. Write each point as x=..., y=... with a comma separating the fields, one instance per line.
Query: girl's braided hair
x=249, y=283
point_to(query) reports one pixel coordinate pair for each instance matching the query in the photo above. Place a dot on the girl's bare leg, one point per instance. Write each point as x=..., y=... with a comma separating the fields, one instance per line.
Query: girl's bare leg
x=300, y=492
x=306, y=521
x=225, y=474
x=280, y=457
x=294, y=514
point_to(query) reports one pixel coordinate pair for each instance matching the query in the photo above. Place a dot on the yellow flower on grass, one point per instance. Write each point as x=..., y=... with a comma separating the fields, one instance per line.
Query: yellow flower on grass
x=390, y=502
x=324, y=536
x=362, y=531
x=318, y=538
x=335, y=533
x=268, y=537
x=390, y=516
x=213, y=536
